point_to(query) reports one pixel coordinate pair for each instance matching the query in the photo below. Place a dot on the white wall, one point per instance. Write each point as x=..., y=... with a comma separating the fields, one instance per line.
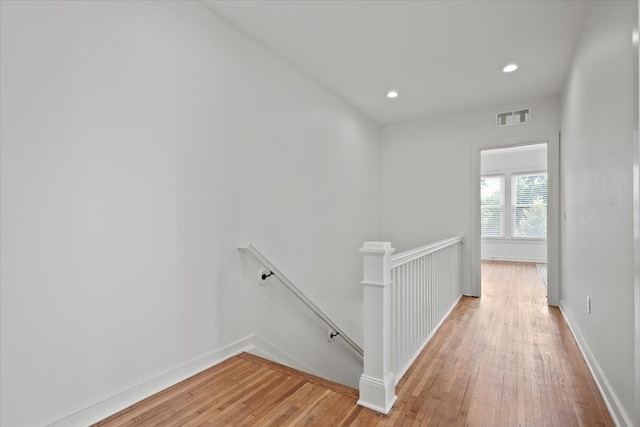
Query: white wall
x=597, y=182
x=426, y=171
x=140, y=142
x=636, y=214
x=524, y=158
x=519, y=250
x=506, y=162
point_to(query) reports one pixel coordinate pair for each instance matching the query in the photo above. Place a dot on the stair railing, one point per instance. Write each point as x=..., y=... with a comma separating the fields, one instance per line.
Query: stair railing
x=272, y=270
x=407, y=296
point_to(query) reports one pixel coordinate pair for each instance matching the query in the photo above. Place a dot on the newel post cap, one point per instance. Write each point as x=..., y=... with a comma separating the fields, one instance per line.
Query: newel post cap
x=377, y=263
x=377, y=248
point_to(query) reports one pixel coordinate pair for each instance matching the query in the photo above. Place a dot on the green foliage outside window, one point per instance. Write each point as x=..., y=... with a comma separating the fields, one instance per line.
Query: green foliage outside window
x=531, y=206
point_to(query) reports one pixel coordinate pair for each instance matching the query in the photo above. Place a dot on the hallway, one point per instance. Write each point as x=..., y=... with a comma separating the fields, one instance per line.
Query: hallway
x=506, y=359
x=503, y=360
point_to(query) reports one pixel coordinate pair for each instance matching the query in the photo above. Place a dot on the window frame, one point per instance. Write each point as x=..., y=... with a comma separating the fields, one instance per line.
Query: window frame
x=512, y=226
x=502, y=207
x=508, y=198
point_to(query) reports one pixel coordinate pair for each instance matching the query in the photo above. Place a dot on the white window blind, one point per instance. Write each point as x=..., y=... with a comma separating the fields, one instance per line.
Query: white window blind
x=491, y=205
x=529, y=205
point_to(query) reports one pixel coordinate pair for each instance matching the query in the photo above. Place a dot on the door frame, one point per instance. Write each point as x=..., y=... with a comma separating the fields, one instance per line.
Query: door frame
x=635, y=36
x=553, y=209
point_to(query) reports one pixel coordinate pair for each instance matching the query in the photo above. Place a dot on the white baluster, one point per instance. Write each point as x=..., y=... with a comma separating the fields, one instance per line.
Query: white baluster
x=422, y=307
x=395, y=358
x=432, y=294
x=405, y=313
x=412, y=309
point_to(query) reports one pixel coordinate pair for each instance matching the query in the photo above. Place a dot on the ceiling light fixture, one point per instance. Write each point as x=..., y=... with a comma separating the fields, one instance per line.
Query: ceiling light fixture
x=509, y=68
x=392, y=94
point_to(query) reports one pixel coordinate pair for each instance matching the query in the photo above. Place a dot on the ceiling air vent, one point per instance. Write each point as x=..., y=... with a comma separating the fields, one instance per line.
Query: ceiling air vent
x=516, y=117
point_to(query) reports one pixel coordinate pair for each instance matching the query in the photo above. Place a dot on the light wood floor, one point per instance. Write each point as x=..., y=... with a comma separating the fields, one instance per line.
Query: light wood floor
x=505, y=359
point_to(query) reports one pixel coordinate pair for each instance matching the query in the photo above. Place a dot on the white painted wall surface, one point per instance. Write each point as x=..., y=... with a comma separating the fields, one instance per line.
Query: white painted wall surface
x=426, y=171
x=506, y=162
x=140, y=142
x=525, y=158
x=514, y=250
x=636, y=196
x=597, y=181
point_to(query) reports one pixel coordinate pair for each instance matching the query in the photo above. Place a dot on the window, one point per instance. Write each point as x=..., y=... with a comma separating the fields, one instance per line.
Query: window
x=525, y=193
x=529, y=205
x=491, y=205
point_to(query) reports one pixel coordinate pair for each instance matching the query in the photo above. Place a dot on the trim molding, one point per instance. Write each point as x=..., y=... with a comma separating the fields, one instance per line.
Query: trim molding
x=251, y=344
x=375, y=390
x=516, y=259
x=636, y=200
x=620, y=417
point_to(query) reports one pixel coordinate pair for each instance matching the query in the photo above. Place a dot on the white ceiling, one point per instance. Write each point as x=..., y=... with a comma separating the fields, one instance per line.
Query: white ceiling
x=441, y=56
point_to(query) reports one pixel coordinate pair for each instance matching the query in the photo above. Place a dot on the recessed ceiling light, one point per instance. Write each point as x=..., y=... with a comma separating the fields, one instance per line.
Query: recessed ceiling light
x=509, y=68
x=392, y=94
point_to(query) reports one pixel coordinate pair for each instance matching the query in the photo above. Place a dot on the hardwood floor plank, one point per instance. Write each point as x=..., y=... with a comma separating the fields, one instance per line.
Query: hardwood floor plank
x=289, y=388
x=316, y=401
x=214, y=410
x=166, y=395
x=347, y=417
x=289, y=406
x=339, y=388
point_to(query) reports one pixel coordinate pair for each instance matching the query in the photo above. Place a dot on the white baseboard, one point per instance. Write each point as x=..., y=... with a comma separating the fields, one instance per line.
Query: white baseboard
x=114, y=404
x=515, y=259
x=251, y=344
x=617, y=412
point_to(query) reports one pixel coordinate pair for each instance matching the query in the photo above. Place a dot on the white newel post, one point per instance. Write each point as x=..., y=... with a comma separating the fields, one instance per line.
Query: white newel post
x=377, y=383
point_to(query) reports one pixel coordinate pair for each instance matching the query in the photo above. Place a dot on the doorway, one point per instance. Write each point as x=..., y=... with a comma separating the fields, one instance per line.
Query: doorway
x=521, y=224
x=513, y=206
